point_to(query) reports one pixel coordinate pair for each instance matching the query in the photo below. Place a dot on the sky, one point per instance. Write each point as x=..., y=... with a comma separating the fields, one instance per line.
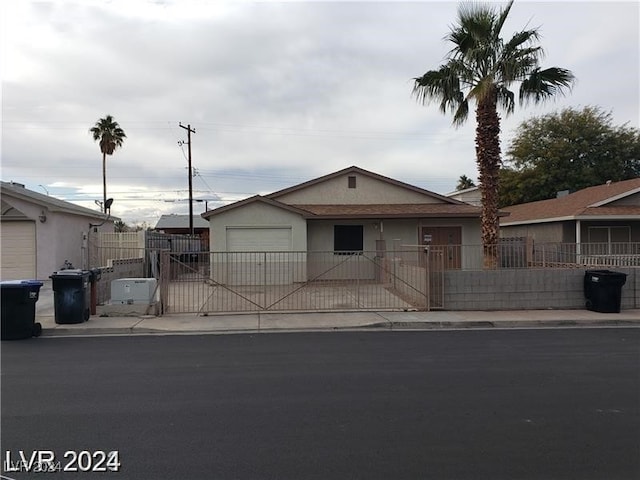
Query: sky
x=278, y=93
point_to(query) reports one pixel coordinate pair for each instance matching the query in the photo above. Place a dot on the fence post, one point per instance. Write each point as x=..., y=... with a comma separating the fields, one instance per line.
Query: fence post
x=164, y=280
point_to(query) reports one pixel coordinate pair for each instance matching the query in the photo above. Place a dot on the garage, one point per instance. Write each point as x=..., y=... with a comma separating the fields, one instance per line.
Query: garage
x=248, y=267
x=18, y=259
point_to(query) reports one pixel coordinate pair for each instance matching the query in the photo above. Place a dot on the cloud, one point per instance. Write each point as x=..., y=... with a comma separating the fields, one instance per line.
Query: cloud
x=278, y=92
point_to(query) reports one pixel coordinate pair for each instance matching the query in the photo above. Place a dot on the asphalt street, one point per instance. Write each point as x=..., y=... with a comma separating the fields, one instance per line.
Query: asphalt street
x=471, y=404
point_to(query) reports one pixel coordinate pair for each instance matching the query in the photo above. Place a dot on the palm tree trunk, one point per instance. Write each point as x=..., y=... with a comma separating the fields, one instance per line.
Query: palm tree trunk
x=488, y=159
x=104, y=182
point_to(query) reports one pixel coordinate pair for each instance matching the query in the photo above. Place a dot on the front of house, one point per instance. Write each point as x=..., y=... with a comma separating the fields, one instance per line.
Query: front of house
x=352, y=211
x=587, y=226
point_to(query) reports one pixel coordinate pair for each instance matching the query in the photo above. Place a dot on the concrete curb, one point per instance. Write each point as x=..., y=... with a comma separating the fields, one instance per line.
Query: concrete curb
x=380, y=326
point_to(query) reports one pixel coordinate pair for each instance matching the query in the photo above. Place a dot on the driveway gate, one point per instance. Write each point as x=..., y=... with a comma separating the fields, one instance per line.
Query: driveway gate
x=217, y=282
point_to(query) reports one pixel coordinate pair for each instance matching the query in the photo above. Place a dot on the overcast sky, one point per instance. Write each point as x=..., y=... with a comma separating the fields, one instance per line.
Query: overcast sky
x=278, y=93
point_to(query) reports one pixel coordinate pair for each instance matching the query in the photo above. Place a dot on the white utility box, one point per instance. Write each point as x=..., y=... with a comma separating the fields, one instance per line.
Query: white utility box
x=132, y=291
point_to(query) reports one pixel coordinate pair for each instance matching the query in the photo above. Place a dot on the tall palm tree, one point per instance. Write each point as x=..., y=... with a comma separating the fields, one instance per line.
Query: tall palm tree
x=111, y=136
x=481, y=67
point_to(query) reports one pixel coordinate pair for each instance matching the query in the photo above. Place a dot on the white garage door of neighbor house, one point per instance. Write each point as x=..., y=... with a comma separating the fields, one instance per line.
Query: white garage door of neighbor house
x=258, y=239
x=18, y=258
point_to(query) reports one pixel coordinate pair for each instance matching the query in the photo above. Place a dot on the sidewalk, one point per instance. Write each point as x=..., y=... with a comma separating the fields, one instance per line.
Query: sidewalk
x=319, y=321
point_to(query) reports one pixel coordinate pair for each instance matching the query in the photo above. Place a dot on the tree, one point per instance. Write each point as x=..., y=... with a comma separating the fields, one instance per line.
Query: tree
x=111, y=136
x=567, y=150
x=481, y=68
x=464, y=182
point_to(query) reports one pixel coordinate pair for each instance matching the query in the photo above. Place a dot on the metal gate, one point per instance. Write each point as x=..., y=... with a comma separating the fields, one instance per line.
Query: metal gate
x=218, y=282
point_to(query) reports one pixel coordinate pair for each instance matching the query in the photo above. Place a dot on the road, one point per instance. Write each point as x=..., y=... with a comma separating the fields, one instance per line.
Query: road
x=473, y=404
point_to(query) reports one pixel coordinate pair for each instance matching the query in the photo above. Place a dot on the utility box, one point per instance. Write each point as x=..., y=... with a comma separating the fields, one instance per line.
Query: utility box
x=133, y=291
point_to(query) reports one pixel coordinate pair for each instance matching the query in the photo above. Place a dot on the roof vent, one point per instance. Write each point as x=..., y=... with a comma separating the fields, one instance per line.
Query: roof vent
x=16, y=184
x=562, y=193
x=608, y=182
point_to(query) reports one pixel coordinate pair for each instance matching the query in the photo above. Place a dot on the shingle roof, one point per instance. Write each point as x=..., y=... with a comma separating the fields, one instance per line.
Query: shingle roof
x=589, y=202
x=391, y=210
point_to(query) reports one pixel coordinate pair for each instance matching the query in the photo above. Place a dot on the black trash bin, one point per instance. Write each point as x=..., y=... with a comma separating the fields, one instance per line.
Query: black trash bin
x=603, y=290
x=71, y=295
x=18, y=299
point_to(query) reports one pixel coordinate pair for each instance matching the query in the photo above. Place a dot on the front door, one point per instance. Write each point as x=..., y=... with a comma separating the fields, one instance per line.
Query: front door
x=449, y=241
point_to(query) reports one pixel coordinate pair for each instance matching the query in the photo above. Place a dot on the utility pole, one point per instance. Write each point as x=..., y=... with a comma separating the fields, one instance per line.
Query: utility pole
x=189, y=132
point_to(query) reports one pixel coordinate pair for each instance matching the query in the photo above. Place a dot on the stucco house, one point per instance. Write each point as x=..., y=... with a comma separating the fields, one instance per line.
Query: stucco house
x=349, y=211
x=599, y=220
x=38, y=233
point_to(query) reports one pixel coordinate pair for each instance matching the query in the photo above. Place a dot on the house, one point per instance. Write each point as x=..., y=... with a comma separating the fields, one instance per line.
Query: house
x=349, y=211
x=599, y=220
x=179, y=224
x=38, y=233
x=471, y=195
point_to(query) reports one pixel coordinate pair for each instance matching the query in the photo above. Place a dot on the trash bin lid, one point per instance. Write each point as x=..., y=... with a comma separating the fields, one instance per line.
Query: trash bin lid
x=20, y=283
x=72, y=272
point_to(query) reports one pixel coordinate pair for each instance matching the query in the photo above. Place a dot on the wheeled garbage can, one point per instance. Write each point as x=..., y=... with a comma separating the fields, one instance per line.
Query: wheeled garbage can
x=18, y=299
x=71, y=295
x=603, y=290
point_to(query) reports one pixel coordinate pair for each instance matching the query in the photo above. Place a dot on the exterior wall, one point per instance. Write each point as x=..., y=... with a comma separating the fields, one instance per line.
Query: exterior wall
x=540, y=232
x=257, y=215
x=473, y=197
x=527, y=289
x=631, y=200
x=245, y=268
x=368, y=191
x=59, y=238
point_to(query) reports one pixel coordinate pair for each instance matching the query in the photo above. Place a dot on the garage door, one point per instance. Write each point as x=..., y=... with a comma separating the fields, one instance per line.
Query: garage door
x=18, y=246
x=258, y=239
x=248, y=262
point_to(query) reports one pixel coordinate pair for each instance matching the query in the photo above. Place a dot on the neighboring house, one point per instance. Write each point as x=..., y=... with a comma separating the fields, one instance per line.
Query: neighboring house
x=469, y=195
x=604, y=219
x=38, y=233
x=179, y=224
x=352, y=210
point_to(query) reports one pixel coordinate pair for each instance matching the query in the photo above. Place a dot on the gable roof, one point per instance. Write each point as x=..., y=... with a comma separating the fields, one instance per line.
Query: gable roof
x=254, y=199
x=589, y=203
x=361, y=171
x=180, y=221
x=15, y=190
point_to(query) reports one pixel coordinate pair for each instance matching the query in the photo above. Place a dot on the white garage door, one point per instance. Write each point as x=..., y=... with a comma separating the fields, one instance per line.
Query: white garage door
x=258, y=239
x=18, y=246
x=248, y=265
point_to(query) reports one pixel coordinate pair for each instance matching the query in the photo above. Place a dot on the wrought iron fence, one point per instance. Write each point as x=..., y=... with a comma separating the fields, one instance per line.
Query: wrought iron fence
x=289, y=281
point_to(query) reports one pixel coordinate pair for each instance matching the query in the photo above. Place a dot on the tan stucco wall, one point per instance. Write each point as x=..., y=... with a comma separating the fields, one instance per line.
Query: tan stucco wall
x=257, y=215
x=368, y=190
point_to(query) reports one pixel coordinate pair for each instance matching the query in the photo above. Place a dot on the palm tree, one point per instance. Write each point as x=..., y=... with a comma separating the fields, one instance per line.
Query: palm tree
x=111, y=136
x=464, y=182
x=481, y=67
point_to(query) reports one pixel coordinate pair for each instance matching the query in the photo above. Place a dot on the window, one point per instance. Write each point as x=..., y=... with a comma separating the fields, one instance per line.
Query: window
x=609, y=240
x=352, y=181
x=347, y=239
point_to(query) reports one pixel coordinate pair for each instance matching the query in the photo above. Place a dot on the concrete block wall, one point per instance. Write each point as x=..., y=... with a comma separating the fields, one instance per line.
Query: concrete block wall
x=121, y=268
x=527, y=289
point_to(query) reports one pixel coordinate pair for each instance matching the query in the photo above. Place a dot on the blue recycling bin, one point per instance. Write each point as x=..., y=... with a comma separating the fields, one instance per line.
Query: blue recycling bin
x=18, y=299
x=71, y=295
